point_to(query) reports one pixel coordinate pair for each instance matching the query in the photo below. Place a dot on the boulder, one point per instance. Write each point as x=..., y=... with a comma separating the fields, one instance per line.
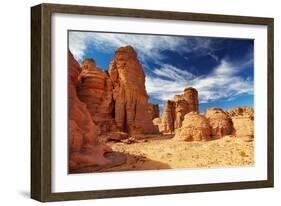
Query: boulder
x=220, y=122
x=195, y=127
x=243, y=121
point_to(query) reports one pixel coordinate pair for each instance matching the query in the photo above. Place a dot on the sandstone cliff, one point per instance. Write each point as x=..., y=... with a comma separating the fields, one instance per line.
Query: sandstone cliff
x=95, y=89
x=84, y=147
x=131, y=111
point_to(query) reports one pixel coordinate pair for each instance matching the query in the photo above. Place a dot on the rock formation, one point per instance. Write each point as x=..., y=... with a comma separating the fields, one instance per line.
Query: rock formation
x=84, y=146
x=220, y=122
x=195, y=127
x=174, y=111
x=95, y=89
x=185, y=103
x=131, y=111
x=243, y=121
x=167, y=119
x=153, y=110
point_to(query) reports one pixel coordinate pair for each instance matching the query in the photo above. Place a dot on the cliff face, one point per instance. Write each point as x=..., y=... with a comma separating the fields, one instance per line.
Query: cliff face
x=95, y=89
x=176, y=109
x=132, y=110
x=84, y=147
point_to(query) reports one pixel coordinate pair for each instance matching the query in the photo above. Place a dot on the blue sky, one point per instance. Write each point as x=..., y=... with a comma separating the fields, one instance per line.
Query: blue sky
x=221, y=69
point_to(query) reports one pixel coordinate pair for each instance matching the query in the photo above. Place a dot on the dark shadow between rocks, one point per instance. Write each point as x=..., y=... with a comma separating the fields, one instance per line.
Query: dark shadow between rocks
x=125, y=162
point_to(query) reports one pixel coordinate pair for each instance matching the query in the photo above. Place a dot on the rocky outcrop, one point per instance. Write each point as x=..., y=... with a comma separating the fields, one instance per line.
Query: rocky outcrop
x=153, y=110
x=95, y=89
x=84, y=146
x=131, y=111
x=220, y=122
x=167, y=119
x=176, y=109
x=243, y=121
x=185, y=103
x=195, y=127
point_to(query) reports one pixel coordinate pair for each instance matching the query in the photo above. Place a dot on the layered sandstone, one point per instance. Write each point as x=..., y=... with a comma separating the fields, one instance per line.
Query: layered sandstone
x=84, y=147
x=95, y=89
x=131, y=111
x=243, y=121
x=195, y=127
x=220, y=122
x=176, y=109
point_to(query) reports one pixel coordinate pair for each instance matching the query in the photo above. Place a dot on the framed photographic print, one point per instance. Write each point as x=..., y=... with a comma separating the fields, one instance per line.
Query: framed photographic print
x=130, y=102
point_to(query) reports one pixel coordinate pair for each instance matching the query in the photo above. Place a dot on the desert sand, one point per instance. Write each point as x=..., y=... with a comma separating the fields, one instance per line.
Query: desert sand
x=163, y=152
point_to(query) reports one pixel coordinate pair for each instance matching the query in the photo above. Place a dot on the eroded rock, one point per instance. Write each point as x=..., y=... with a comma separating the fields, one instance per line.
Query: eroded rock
x=131, y=111
x=195, y=127
x=94, y=88
x=243, y=121
x=220, y=122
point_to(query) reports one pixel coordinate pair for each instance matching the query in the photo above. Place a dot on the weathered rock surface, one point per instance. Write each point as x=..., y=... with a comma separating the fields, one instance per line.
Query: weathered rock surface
x=220, y=122
x=243, y=121
x=195, y=127
x=95, y=89
x=84, y=146
x=185, y=103
x=131, y=111
x=167, y=119
x=153, y=110
x=176, y=109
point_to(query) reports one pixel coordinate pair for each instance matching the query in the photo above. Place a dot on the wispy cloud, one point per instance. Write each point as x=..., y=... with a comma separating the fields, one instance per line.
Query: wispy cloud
x=222, y=83
x=147, y=46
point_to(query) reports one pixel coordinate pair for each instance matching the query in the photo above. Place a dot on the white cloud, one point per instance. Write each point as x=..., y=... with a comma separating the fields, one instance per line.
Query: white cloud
x=147, y=46
x=222, y=82
x=173, y=73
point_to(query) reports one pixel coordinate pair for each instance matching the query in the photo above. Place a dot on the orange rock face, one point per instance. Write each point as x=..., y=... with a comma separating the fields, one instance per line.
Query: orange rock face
x=84, y=147
x=153, y=110
x=220, y=122
x=195, y=127
x=174, y=111
x=243, y=121
x=95, y=89
x=131, y=111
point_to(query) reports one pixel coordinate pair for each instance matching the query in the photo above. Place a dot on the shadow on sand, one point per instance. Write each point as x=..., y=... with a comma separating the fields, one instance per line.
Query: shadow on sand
x=126, y=162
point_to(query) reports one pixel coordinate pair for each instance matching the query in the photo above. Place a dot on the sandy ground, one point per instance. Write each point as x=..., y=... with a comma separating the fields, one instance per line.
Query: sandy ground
x=164, y=152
